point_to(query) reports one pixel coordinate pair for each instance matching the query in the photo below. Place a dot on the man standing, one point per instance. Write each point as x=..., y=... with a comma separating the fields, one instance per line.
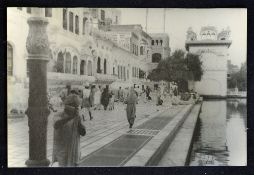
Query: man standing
x=86, y=103
x=131, y=106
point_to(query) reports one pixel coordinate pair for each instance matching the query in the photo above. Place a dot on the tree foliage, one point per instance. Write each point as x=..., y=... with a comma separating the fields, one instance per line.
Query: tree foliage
x=239, y=79
x=178, y=67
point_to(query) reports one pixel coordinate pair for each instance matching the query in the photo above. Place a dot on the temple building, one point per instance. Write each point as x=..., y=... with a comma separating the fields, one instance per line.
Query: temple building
x=212, y=46
x=86, y=45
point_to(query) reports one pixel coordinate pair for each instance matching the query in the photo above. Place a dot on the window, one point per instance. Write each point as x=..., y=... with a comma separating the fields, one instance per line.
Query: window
x=105, y=66
x=68, y=63
x=127, y=73
x=156, y=57
x=161, y=42
x=48, y=12
x=65, y=19
x=9, y=60
x=71, y=21
x=152, y=42
x=141, y=50
x=124, y=73
x=84, y=25
x=60, y=63
x=83, y=67
x=75, y=65
x=29, y=10
x=114, y=70
x=76, y=24
x=157, y=42
x=90, y=68
x=102, y=15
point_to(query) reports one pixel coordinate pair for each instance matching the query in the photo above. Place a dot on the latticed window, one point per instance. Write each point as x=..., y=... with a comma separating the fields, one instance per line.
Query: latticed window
x=76, y=24
x=75, y=65
x=9, y=60
x=71, y=21
x=65, y=19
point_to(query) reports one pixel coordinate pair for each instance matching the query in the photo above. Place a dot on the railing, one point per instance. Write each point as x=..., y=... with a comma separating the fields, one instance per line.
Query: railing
x=63, y=77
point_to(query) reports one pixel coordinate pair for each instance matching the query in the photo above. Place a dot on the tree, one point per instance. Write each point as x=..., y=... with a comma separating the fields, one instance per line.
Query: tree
x=239, y=79
x=179, y=67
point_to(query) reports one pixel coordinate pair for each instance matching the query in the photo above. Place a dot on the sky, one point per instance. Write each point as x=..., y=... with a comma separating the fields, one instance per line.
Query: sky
x=179, y=20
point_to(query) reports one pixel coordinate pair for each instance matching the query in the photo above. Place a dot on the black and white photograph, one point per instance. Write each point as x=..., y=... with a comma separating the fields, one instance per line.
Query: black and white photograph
x=126, y=87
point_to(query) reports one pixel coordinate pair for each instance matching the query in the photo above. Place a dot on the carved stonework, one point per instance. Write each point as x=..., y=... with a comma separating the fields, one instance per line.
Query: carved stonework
x=37, y=40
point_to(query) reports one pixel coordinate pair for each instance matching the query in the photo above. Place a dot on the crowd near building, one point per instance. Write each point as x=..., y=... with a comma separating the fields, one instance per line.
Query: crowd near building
x=86, y=45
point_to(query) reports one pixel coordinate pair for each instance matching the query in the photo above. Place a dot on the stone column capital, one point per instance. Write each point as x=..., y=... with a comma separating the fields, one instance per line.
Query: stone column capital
x=37, y=41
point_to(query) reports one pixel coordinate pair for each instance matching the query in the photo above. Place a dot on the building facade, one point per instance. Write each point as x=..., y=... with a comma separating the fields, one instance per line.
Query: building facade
x=213, y=50
x=80, y=51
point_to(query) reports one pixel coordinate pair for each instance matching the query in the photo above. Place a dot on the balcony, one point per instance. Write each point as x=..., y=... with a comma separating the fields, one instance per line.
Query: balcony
x=105, y=78
x=62, y=78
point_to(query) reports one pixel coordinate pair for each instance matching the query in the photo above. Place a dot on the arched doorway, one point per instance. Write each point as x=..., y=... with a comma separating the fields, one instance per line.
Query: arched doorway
x=105, y=66
x=99, y=65
x=75, y=65
x=156, y=57
x=90, y=68
x=60, y=63
x=68, y=63
x=9, y=59
x=83, y=67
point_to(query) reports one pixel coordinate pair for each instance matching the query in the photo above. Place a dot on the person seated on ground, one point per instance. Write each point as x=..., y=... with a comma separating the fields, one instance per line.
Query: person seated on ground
x=189, y=101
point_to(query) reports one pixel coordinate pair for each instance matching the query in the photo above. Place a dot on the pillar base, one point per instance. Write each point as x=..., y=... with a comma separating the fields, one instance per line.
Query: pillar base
x=37, y=163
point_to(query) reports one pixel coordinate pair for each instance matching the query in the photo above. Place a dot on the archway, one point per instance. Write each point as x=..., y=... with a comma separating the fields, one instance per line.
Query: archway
x=99, y=65
x=75, y=65
x=68, y=63
x=83, y=67
x=60, y=63
x=105, y=66
x=156, y=57
x=90, y=68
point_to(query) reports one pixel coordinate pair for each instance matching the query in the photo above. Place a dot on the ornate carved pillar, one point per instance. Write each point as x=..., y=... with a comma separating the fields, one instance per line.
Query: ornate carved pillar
x=38, y=48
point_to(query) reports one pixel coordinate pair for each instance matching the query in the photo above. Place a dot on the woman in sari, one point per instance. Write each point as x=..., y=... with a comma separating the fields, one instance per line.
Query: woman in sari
x=131, y=102
x=66, y=141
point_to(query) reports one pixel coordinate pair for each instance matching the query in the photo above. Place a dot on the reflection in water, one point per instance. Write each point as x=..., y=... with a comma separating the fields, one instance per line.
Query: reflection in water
x=220, y=137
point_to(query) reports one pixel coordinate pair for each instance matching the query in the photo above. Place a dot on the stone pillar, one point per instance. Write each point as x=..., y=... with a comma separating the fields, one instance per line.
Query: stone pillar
x=38, y=48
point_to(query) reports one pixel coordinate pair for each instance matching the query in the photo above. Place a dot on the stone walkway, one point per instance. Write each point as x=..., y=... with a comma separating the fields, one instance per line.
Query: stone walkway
x=104, y=123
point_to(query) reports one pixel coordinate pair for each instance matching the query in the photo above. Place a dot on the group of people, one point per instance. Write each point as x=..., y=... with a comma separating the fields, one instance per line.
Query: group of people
x=69, y=123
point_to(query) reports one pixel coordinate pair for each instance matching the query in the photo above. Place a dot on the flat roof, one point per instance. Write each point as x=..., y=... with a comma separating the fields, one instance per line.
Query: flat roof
x=207, y=42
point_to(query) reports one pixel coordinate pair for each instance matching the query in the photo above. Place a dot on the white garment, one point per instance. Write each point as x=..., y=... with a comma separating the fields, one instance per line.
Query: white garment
x=86, y=93
x=97, y=97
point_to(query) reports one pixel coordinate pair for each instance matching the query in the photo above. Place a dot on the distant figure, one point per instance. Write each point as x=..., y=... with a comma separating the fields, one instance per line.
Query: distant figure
x=111, y=105
x=97, y=99
x=131, y=106
x=66, y=142
x=86, y=101
x=120, y=94
x=148, y=90
x=105, y=98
